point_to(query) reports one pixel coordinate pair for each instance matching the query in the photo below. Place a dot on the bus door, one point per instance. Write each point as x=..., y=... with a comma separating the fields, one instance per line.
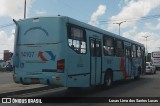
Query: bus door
x=128, y=60
x=95, y=61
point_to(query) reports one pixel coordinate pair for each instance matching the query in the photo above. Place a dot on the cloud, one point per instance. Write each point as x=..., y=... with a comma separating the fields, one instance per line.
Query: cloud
x=100, y=11
x=152, y=41
x=41, y=12
x=134, y=9
x=153, y=27
x=126, y=1
x=13, y=8
x=7, y=41
x=130, y=34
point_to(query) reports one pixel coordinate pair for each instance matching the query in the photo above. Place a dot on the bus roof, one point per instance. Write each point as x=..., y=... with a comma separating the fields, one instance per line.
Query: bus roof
x=98, y=30
x=89, y=27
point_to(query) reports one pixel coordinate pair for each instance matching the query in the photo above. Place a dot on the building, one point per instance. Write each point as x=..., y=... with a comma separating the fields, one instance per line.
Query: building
x=7, y=55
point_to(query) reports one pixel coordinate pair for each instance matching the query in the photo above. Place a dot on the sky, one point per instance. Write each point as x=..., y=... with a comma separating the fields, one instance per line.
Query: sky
x=140, y=17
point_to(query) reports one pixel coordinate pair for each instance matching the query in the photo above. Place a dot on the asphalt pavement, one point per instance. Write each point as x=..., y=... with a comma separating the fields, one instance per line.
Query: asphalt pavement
x=6, y=78
x=9, y=87
x=146, y=86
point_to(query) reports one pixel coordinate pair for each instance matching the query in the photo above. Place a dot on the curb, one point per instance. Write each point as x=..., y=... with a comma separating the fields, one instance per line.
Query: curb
x=12, y=93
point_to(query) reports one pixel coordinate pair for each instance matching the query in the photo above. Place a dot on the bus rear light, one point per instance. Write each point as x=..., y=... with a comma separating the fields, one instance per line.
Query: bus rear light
x=60, y=66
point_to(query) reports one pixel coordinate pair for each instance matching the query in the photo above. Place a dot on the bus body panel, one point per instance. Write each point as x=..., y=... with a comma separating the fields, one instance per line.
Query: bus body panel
x=113, y=63
x=38, y=49
x=44, y=54
x=77, y=70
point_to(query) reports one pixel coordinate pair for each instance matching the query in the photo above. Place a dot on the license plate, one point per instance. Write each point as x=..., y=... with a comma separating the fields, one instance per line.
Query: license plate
x=35, y=80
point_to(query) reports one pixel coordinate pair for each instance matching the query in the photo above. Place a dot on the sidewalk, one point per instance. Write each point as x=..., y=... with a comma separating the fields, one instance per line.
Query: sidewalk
x=15, y=89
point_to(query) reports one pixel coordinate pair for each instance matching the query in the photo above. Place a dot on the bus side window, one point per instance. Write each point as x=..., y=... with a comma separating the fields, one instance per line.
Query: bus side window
x=142, y=52
x=134, y=51
x=108, y=46
x=119, y=49
x=138, y=51
x=77, y=39
x=127, y=52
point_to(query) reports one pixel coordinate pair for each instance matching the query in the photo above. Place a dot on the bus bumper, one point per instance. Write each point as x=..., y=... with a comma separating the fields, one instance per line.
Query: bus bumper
x=53, y=80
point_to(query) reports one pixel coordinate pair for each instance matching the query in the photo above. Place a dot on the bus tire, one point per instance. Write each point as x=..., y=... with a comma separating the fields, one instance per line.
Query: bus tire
x=108, y=79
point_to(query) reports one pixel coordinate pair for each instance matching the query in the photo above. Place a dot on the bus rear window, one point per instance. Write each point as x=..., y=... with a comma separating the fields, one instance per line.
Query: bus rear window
x=77, y=39
x=76, y=33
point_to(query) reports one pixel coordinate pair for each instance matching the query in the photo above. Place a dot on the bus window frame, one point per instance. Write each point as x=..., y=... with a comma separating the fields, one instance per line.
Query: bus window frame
x=134, y=56
x=69, y=26
x=104, y=37
x=138, y=52
x=115, y=46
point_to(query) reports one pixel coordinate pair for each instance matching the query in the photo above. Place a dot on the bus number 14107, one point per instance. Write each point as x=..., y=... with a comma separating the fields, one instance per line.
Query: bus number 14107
x=27, y=54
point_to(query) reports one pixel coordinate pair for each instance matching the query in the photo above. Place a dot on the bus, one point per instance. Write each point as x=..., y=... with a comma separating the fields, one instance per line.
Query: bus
x=155, y=59
x=62, y=51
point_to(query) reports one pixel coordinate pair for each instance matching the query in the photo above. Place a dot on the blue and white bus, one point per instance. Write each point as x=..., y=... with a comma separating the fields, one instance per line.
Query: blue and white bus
x=65, y=52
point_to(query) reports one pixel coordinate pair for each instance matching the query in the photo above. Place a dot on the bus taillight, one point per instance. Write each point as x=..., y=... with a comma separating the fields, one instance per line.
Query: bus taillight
x=60, y=66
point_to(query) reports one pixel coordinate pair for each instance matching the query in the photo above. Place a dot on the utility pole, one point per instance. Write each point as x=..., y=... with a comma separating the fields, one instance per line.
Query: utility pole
x=146, y=40
x=119, y=23
x=24, y=9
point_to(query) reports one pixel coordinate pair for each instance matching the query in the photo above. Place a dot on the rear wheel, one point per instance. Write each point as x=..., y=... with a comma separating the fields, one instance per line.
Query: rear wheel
x=108, y=79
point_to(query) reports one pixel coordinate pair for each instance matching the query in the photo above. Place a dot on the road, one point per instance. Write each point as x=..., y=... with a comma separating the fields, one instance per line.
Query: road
x=6, y=78
x=147, y=86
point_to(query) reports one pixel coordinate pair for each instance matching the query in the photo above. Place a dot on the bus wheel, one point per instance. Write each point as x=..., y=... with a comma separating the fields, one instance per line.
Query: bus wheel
x=108, y=79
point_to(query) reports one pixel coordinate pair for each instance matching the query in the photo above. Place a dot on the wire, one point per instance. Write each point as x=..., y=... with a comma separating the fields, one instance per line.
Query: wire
x=107, y=21
x=6, y=25
x=131, y=20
